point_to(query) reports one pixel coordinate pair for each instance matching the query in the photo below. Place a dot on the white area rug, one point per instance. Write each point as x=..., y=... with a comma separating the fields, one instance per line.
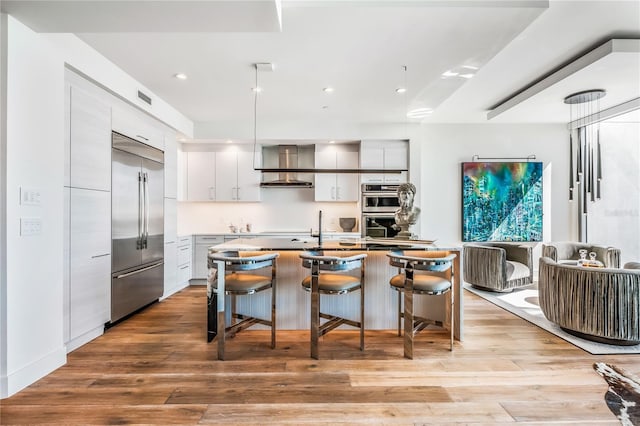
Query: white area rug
x=524, y=303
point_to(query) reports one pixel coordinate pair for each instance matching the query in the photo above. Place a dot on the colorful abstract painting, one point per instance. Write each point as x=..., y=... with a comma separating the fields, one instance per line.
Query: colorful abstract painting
x=502, y=201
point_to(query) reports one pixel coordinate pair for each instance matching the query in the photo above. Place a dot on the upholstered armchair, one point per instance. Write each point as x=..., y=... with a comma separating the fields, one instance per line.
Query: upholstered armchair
x=600, y=304
x=567, y=252
x=498, y=266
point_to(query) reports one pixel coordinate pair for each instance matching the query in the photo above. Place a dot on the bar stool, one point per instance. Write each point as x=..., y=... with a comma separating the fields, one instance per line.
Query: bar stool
x=234, y=275
x=325, y=280
x=434, y=278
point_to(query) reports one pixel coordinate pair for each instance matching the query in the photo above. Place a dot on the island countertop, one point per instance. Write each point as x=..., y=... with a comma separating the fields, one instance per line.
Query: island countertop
x=350, y=244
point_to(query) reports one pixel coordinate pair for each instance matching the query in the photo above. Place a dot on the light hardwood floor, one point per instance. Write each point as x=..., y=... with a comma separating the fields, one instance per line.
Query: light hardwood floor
x=156, y=368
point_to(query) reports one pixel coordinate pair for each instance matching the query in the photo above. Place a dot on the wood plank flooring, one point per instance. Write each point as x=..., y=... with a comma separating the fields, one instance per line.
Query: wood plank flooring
x=156, y=368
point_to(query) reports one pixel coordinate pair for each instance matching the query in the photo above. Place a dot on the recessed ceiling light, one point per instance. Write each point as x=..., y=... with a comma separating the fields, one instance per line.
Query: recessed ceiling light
x=257, y=89
x=182, y=140
x=332, y=141
x=229, y=141
x=328, y=89
x=180, y=76
x=470, y=67
x=449, y=73
x=401, y=90
x=466, y=75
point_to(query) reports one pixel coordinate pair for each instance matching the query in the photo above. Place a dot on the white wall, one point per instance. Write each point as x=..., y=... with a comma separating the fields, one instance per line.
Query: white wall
x=445, y=146
x=34, y=158
x=31, y=335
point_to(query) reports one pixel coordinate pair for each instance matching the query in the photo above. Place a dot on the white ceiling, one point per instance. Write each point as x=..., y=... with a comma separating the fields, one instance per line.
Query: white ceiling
x=357, y=47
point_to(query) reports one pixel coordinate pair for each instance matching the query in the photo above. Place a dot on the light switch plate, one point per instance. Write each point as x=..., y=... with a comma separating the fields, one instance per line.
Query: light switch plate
x=29, y=196
x=30, y=226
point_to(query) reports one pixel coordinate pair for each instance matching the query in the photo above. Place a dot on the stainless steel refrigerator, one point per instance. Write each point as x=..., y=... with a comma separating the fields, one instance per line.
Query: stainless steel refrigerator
x=137, y=225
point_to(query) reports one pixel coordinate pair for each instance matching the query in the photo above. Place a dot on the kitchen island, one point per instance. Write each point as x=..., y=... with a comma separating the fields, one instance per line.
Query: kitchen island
x=293, y=302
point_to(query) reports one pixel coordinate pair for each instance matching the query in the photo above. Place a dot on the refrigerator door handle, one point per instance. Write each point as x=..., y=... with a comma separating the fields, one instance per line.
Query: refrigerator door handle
x=137, y=271
x=146, y=209
x=140, y=207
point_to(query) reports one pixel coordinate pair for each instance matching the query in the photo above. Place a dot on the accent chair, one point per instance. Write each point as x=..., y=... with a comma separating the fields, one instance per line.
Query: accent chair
x=498, y=267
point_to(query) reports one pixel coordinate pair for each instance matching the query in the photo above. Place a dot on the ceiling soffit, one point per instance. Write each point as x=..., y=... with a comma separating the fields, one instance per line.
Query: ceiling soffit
x=138, y=16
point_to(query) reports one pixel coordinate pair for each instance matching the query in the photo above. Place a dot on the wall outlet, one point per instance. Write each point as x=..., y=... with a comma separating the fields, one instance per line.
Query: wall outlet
x=30, y=226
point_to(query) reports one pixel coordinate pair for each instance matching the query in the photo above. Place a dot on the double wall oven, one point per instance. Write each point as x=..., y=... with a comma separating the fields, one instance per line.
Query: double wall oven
x=379, y=203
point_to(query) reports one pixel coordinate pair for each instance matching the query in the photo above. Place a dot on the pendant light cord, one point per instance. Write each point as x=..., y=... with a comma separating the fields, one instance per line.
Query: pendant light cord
x=255, y=117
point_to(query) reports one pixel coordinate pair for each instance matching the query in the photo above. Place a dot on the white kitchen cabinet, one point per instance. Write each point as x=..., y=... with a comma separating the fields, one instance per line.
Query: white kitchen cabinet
x=89, y=261
x=248, y=178
x=201, y=176
x=89, y=141
x=235, y=177
x=201, y=248
x=137, y=125
x=170, y=220
x=338, y=186
x=184, y=260
x=170, y=165
x=66, y=229
x=181, y=178
x=384, y=155
x=171, y=284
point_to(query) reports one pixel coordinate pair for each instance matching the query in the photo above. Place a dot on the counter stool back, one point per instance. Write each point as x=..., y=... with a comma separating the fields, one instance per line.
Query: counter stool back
x=420, y=275
x=328, y=277
x=240, y=278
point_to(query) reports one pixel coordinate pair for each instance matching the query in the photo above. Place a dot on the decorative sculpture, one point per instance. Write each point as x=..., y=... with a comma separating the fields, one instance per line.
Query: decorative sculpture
x=407, y=215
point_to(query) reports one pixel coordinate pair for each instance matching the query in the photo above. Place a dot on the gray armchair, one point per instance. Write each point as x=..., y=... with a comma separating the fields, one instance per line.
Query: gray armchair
x=498, y=266
x=600, y=304
x=567, y=252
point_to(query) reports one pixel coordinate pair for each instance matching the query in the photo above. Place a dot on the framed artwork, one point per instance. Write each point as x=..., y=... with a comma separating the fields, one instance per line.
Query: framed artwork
x=502, y=201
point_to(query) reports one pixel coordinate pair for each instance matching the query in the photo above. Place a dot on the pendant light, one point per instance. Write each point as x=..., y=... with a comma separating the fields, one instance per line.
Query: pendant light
x=584, y=123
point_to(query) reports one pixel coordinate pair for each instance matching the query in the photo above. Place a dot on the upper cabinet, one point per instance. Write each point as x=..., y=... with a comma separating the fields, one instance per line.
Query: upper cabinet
x=237, y=180
x=336, y=186
x=384, y=155
x=226, y=174
x=201, y=175
x=89, y=141
x=135, y=124
x=170, y=165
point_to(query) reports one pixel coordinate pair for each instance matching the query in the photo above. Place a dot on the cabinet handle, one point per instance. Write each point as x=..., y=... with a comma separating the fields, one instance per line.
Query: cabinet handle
x=338, y=197
x=184, y=267
x=100, y=255
x=212, y=192
x=141, y=137
x=184, y=248
x=209, y=238
x=237, y=193
x=333, y=192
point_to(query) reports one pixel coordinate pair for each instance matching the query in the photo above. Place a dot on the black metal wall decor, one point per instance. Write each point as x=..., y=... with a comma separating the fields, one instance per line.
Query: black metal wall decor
x=584, y=133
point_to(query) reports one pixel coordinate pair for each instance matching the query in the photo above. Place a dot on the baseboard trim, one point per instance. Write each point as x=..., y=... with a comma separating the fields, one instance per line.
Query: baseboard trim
x=175, y=290
x=85, y=338
x=31, y=373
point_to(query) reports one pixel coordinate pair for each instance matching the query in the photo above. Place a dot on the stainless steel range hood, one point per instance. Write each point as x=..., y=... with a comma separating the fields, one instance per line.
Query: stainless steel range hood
x=285, y=158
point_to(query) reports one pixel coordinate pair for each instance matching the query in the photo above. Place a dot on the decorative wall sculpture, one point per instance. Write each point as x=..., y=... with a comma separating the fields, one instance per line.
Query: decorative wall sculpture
x=502, y=201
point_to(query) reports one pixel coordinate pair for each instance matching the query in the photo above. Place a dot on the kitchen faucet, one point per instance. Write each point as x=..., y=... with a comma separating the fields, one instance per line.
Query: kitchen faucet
x=319, y=234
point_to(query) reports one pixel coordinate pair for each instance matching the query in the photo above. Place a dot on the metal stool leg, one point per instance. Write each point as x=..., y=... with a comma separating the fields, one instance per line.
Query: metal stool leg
x=315, y=309
x=408, y=313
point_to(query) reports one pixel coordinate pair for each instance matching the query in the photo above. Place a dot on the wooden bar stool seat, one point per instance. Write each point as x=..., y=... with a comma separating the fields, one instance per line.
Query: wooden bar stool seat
x=327, y=277
x=420, y=275
x=237, y=273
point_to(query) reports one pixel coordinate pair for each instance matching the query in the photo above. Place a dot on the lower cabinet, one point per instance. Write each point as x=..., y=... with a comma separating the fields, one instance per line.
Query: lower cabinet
x=89, y=274
x=184, y=255
x=171, y=284
x=201, y=249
